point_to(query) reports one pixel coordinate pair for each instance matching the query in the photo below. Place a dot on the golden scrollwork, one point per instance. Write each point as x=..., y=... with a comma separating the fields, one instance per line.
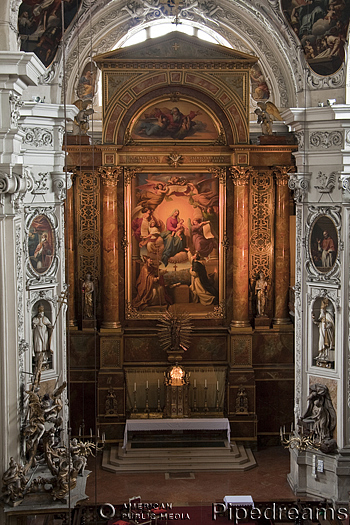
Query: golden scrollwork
x=261, y=224
x=88, y=223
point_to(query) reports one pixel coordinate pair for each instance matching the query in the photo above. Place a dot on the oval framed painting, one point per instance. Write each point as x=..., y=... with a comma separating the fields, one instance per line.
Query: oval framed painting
x=41, y=244
x=323, y=244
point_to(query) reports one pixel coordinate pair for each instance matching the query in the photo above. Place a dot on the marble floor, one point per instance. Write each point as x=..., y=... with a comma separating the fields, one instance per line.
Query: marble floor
x=266, y=482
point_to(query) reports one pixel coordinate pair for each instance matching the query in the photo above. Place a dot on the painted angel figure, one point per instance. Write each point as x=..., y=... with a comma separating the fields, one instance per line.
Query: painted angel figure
x=267, y=112
x=202, y=237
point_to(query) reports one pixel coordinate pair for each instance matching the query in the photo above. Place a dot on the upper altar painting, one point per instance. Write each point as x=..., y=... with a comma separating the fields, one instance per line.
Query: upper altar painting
x=182, y=121
x=321, y=26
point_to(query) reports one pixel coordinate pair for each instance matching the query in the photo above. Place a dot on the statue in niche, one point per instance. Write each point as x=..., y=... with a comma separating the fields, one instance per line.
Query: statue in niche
x=321, y=415
x=261, y=287
x=111, y=405
x=326, y=330
x=42, y=332
x=88, y=290
x=242, y=401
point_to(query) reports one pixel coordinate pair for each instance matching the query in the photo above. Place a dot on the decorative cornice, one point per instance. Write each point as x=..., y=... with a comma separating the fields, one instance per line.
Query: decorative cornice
x=326, y=139
x=37, y=137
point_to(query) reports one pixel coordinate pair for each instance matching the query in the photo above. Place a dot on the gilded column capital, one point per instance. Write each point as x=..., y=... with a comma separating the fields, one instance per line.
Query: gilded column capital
x=110, y=174
x=282, y=174
x=220, y=174
x=129, y=174
x=240, y=175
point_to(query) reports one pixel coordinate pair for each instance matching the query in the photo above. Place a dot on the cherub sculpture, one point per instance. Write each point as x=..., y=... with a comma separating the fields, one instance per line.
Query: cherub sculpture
x=267, y=112
x=81, y=120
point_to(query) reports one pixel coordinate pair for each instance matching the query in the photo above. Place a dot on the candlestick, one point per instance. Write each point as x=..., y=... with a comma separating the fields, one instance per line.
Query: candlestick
x=158, y=398
x=103, y=437
x=134, y=387
x=195, y=409
x=205, y=383
x=217, y=385
x=79, y=430
x=147, y=410
x=135, y=407
x=90, y=432
x=205, y=397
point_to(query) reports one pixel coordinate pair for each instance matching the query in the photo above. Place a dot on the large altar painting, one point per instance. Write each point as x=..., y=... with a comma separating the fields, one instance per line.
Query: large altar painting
x=180, y=120
x=173, y=254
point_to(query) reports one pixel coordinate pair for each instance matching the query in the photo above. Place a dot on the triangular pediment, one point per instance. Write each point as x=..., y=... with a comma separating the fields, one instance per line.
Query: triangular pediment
x=175, y=46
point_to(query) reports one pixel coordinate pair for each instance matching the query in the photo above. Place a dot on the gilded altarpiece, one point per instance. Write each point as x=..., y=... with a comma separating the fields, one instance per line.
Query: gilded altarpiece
x=261, y=232
x=176, y=177
x=88, y=243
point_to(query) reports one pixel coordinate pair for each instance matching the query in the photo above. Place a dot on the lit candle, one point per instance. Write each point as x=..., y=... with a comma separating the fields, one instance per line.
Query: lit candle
x=217, y=386
x=134, y=387
x=146, y=384
x=205, y=383
x=194, y=383
x=158, y=384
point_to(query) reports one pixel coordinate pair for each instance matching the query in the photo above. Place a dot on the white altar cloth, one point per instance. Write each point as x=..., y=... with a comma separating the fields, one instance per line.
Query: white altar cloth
x=239, y=501
x=140, y=425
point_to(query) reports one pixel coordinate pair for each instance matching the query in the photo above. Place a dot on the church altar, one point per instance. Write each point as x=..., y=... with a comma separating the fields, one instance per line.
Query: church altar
x=153, y=425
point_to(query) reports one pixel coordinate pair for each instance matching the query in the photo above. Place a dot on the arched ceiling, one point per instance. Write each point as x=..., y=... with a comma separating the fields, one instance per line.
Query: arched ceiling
x=250, y=27
x=256, y=27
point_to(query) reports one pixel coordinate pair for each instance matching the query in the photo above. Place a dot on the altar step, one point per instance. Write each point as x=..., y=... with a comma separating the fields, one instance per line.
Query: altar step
x=180, y=459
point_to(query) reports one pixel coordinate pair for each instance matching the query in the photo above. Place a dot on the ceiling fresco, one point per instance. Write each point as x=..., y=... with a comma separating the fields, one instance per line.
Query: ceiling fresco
x=40, y=26
x=321, y=26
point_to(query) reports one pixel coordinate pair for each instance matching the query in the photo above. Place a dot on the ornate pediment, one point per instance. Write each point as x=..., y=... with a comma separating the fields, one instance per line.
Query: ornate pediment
x=176, y=46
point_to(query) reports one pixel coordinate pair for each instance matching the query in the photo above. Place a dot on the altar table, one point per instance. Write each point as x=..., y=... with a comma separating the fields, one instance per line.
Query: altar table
x=142, y=425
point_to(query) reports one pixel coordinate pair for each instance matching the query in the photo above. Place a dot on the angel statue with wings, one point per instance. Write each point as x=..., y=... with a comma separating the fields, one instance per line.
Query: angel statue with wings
x=267, y=112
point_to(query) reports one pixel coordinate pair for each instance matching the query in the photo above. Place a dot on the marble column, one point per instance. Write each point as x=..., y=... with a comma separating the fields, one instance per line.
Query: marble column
x=282, y=247
x=71, y=267
x=110, y=247
x=240, y=178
